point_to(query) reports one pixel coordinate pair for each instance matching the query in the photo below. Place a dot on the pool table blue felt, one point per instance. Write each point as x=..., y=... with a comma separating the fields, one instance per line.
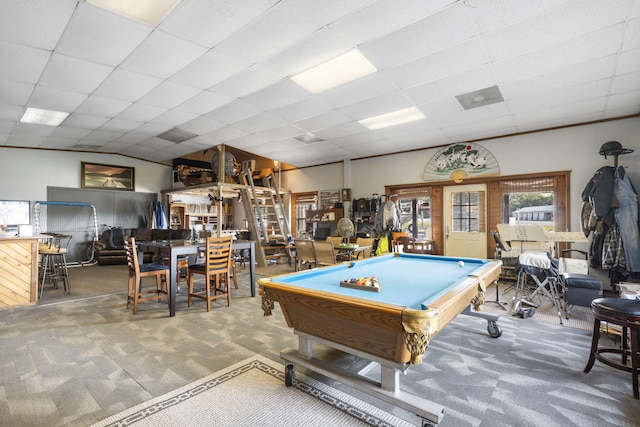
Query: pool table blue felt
x=407, y=280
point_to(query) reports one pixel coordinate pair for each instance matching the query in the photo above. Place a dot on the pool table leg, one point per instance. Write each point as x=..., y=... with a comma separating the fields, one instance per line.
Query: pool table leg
x=388, y=389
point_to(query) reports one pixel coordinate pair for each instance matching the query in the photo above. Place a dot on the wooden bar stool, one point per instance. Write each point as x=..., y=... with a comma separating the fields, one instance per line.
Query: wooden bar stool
x=626, y=314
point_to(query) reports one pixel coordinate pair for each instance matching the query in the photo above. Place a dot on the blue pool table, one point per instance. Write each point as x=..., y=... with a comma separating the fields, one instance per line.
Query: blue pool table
x=418, y=296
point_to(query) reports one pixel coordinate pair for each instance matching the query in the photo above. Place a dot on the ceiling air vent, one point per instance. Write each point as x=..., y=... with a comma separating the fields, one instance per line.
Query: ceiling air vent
x=308, y=138
x=177, y=135
x=478, y=98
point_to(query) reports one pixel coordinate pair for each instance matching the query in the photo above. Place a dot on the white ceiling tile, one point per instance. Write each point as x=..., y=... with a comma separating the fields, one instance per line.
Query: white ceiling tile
x=169, y=94
x=491, y=14
x=233, y=112
x=308, y=107
x=560, y=96
x=14, y=93
x=101, y=136
x=246, y=142
x=54, y=99
x=384, y=17
x=162, y=55
x=375, y=106
x=323, y=121
x=64, y=131
x=36, y=23
x=11, y=112
x=282, y=93
x=450, y=87
x=468, y=55
x=327, y=11
x=209, y=22
x=626, y=83
x=201, y=125
x=84, y=121
x=246, y=82
x=590, y=46
x=101, y=36
x=127, y=85
x=76, y=75
x=21, y=63
x=576, y=74
x=227, y=133
x=259, y=123
x=628, y=62
x=20, y=140
x=279, y=133
x=271, y=148
x=173, y=118
x=555, y=26
x=141, y=112
x=313, y=50
x=340, y=130
x=99, y=106
x=632, y=35
x=209, y=69
x=120, y=126
x=284, y=26
x=204, y=102
x=368, y=87
x=630, y=100
x=59, y=143
x=445, y=29
x=32, y=129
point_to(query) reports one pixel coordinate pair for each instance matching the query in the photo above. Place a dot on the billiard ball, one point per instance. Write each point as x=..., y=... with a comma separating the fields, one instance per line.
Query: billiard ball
x=461, y=263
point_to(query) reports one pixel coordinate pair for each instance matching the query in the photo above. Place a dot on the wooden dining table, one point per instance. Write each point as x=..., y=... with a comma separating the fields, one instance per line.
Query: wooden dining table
x=172, y=249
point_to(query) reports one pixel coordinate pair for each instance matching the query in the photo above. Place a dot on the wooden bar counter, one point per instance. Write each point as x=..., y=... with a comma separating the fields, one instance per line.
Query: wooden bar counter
x=18, y=270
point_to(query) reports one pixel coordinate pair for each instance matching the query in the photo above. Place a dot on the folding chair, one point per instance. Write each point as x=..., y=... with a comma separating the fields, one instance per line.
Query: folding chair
x=543, y=270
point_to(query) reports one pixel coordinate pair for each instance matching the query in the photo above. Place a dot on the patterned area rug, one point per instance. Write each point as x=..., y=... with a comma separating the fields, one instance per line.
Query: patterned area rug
x=252, y=392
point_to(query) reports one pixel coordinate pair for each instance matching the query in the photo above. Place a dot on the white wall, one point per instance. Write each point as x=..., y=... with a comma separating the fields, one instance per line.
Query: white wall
x=575, y=149
x=26, y=173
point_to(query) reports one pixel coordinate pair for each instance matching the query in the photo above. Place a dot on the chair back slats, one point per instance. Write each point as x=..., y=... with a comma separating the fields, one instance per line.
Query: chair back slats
x=304, y=252
x=218, y=253
x=132, y=255
x=325, y=253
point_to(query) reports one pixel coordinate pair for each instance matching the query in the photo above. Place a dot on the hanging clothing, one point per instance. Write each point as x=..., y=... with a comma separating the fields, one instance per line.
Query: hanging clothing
x=388, y=217
x=599, y=190
x=626, y=216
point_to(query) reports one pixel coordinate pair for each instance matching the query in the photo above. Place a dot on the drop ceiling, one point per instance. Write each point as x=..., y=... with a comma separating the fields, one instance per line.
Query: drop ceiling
x=220, y=72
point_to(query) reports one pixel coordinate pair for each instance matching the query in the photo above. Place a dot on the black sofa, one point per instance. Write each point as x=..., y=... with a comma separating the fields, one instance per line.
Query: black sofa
x=110, y=248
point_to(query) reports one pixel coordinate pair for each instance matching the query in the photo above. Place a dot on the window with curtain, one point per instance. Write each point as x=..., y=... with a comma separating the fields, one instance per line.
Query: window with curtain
x=302, y=202
x=415, y=210
x=528, y=199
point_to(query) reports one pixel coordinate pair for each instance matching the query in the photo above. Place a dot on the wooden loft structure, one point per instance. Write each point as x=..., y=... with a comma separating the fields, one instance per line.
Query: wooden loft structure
x=265, y=210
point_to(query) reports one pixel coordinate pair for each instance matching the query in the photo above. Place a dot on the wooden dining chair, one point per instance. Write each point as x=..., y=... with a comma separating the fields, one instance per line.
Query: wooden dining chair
x=405, y=243
x=137, y=270
x=325, y=253
x=216, y=270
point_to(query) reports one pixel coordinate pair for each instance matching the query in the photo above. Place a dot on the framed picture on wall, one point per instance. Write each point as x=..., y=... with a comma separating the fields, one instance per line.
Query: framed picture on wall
x=107, y=177
x=346, y=194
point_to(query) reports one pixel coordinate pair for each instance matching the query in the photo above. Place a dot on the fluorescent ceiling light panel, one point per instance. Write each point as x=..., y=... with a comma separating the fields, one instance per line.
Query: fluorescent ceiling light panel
x=399, y=117
x=150, y=12
x=43, y=117
x=340, y=70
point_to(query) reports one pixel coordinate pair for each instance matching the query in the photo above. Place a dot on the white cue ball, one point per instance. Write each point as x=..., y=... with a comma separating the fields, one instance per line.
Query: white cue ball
x=461, y=263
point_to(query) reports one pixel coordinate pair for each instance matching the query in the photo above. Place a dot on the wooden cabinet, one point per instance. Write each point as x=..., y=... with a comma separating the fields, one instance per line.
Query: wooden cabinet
x=19, y=262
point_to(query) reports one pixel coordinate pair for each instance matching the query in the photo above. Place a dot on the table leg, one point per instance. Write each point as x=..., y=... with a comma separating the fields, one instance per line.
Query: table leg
x=173, y=283
x=252, y=269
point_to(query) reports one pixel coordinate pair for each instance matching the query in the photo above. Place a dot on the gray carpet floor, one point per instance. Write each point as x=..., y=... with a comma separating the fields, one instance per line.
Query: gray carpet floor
x=72, y=361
